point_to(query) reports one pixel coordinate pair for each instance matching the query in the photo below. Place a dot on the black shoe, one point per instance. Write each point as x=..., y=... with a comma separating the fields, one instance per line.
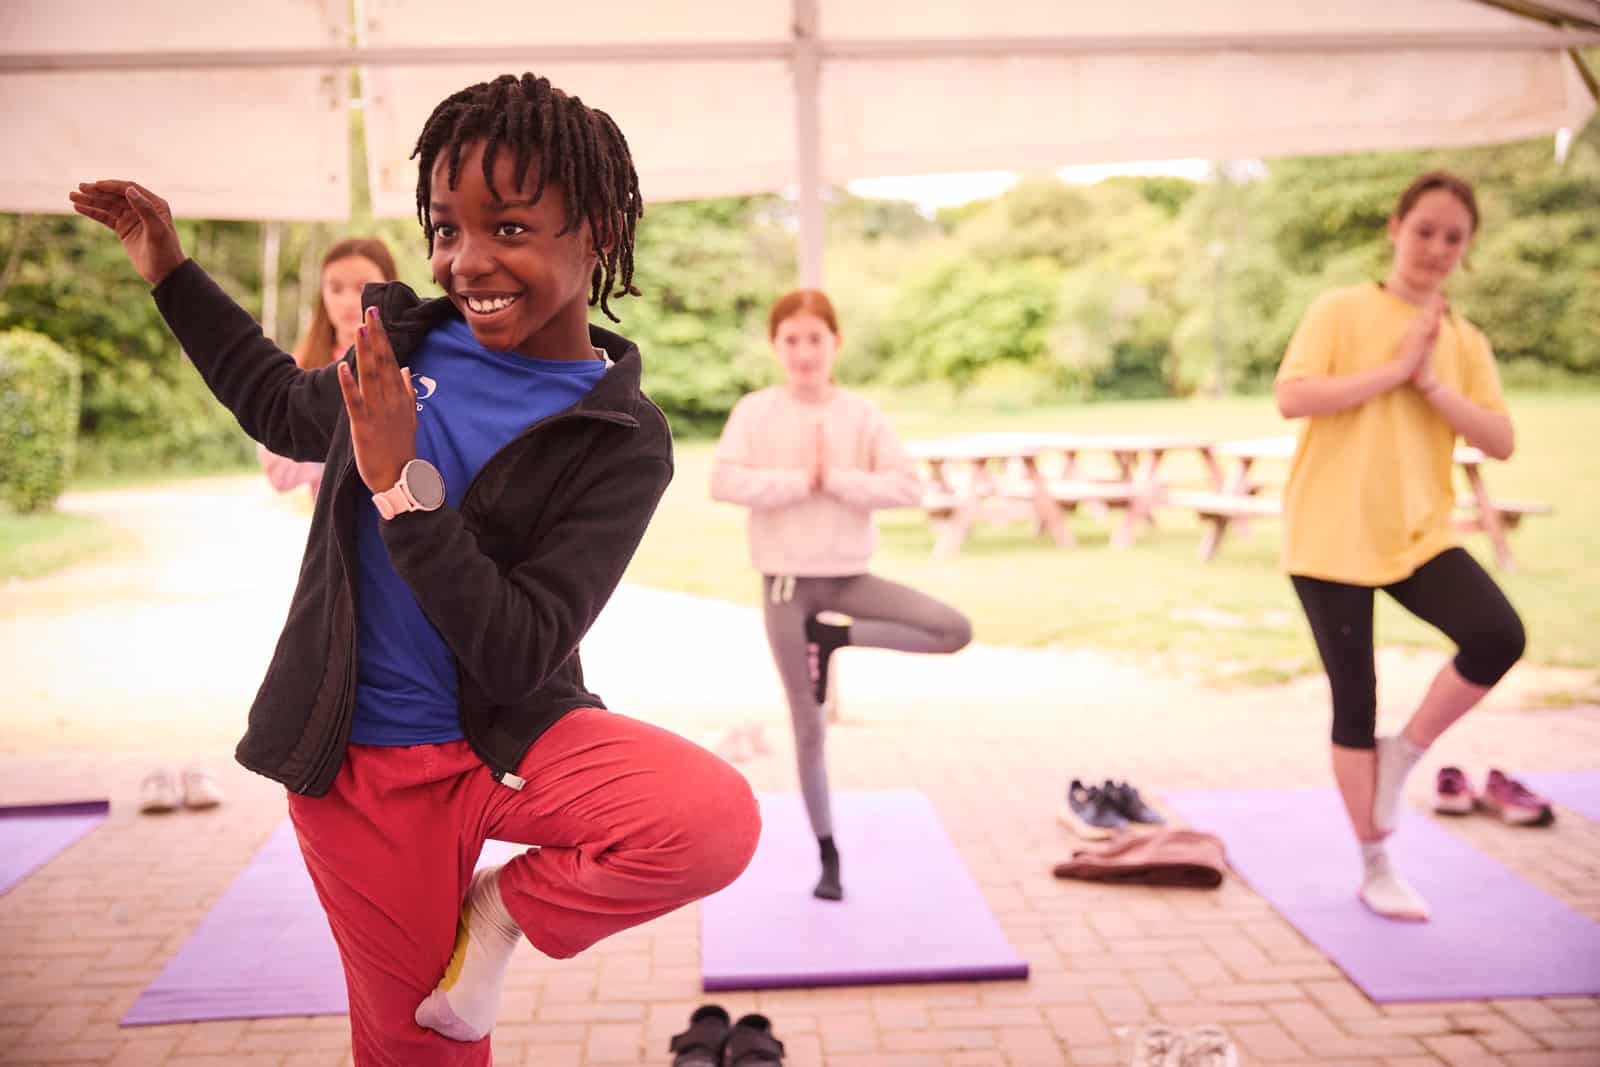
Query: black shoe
x=828, y=639
x=829, y=887
x=701, y=1045
x=1130, y=805
x=1090, y=813
x=751, y=1044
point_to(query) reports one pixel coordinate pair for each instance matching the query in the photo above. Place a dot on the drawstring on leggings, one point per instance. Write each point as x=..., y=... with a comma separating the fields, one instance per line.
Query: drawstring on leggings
x=782, y=589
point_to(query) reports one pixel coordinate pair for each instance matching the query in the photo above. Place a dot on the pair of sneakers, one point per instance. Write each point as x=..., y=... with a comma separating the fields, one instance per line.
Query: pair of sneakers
x=1097, y=812
x=713, y=1041
x=194, y=788
x=1502, y=796
x=1199, y=1046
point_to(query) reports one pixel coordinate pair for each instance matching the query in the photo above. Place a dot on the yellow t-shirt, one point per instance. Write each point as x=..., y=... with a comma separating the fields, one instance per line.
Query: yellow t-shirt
x=1370, y=491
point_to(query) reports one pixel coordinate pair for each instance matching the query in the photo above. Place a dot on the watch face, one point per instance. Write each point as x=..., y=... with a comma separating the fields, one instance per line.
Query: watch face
x=425, y=484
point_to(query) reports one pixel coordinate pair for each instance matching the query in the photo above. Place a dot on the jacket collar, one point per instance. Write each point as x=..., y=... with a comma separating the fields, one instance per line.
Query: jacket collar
x=409, y=319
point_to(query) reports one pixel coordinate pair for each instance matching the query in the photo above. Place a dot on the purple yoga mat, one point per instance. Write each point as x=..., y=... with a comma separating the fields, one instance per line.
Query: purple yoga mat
x=32, y=835
x=264, y=950
x=1578, y=790
x=911, y=912
x=1492, y=933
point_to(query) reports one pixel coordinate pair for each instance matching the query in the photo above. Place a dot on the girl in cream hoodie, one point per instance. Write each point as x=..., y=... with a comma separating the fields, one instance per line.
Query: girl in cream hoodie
x=812, y=461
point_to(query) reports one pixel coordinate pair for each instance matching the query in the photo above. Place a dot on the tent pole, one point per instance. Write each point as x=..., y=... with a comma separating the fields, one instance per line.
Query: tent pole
x=272, y=234
x=808, y=140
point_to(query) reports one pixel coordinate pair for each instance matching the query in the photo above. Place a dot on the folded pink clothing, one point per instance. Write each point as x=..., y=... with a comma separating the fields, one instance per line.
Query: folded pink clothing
x=1180, y=858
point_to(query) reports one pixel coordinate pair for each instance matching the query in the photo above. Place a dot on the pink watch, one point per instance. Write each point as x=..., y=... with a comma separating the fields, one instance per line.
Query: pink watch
x=420, y=488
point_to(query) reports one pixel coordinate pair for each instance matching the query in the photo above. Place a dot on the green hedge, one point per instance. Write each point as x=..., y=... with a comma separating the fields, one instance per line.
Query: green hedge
x=39, y=396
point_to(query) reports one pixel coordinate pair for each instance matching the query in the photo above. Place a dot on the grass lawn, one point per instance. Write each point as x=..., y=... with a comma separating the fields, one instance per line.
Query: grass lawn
x=32, y=545
x=1234, y=617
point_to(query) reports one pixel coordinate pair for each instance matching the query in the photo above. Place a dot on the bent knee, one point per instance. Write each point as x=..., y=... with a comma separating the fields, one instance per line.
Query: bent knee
x=1486, y=656
x=956, y=633
x=727, y=844
x=718, y=825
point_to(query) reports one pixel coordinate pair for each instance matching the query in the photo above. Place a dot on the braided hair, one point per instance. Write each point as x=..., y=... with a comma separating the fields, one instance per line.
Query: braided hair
x=577, y=147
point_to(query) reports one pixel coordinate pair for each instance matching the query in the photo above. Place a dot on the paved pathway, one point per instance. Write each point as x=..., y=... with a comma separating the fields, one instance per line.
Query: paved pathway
x=151, y=655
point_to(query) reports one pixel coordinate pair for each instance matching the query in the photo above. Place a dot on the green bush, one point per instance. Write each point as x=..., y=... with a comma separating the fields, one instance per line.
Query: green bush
x=958, y=316
x=39, y=396
x=709, y=271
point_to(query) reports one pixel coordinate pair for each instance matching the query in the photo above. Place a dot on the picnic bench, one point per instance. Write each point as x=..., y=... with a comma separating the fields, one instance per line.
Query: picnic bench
x=984, y=476
x=1235, y=502
x=1004, y=477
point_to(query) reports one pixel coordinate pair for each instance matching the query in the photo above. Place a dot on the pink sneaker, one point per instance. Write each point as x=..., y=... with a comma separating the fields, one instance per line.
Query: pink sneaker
x=1452, y=794
x=1514, y=802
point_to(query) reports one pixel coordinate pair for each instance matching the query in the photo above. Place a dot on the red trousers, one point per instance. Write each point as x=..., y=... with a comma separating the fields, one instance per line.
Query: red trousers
x=631, y=822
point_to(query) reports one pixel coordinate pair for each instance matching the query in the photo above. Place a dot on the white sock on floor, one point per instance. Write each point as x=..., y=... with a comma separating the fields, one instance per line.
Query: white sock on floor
x=1396, y=757
x=465, y=1004
x=1383, y=890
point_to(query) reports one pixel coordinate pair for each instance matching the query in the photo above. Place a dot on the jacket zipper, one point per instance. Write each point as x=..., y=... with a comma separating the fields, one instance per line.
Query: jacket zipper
x=331, y=746
x=507, y=776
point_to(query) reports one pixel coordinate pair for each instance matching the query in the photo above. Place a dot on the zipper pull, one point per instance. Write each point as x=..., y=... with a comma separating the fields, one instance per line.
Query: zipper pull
x=509, y=780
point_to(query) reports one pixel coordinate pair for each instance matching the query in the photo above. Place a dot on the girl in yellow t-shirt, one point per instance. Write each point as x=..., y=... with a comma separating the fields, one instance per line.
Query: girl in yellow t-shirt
x=1388, y=376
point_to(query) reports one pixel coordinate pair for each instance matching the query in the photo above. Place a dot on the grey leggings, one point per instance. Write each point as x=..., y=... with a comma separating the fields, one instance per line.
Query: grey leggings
x=884, y=614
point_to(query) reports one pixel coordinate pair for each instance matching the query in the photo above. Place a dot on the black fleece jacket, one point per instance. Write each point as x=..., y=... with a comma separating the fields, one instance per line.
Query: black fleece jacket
x=512, y=580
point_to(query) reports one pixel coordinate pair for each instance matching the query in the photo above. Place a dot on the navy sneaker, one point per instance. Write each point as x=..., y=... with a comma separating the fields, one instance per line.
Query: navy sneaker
x=1130, y=805
x=1089, y=812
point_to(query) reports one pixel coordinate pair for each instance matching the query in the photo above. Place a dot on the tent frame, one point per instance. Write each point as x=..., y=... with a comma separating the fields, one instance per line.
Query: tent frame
x=1567, y=25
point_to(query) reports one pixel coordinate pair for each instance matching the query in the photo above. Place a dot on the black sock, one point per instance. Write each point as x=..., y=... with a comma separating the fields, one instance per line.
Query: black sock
x=828, y=886
x=828, y=638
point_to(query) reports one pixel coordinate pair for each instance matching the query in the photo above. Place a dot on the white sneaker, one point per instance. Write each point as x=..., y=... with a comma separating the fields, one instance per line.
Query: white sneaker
x=200, y=788
x=1158, y=1046
x=1208, y=1046
x=158, y=793
x=1392, y=897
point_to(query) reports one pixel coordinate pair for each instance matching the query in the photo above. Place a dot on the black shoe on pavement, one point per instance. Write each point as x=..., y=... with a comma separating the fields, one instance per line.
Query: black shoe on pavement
x=1126, y=799
x=701, y=1045
x=1088, y=812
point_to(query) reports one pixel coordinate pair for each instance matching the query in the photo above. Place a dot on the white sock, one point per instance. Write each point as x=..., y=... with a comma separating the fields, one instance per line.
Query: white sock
x=1383, y=890
x=465, y=1004
x=1396, y=757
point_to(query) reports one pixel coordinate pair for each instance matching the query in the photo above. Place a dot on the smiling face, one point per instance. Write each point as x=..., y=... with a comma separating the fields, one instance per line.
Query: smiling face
x=520, y=287
x=342, y=282
x=807, y=348
x=1430, y=240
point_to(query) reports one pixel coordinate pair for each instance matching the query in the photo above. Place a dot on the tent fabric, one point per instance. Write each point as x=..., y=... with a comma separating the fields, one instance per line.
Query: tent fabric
x=243, y=110
x=695, y=129
x=218, y=143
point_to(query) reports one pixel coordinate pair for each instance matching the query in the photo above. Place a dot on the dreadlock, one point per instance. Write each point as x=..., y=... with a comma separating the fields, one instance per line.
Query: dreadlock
x=577, y=147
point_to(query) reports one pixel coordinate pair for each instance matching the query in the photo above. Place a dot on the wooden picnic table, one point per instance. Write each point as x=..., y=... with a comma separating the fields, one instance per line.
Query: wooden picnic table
x=1235, y=500
x=1137, y=488
x=966, y=476
x=989, y=475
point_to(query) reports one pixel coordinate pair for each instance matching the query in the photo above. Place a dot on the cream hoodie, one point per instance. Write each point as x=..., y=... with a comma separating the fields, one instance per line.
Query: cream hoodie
x=763, y=462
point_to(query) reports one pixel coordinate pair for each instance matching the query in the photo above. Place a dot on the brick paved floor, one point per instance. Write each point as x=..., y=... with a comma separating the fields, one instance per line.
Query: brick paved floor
x=151, y=656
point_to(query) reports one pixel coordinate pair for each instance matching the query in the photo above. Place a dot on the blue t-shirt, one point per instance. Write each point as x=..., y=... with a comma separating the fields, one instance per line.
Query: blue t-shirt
x=471, y=402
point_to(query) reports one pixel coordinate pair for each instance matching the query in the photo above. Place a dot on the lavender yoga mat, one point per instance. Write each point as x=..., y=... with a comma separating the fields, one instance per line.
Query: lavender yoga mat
x=32, y=835
x=1492, y=933
x=911, y=912
x=1578, y=790
x=264, y=950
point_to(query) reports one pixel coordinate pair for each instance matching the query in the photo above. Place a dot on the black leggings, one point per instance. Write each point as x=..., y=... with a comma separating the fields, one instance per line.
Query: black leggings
x=1450, y=591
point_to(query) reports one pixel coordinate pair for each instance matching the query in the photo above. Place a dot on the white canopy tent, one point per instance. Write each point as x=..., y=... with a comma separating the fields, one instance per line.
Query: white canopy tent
x=241, y=110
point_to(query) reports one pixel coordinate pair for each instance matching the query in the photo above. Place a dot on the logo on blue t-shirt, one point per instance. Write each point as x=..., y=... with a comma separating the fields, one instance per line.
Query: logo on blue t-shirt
x=425, y=387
